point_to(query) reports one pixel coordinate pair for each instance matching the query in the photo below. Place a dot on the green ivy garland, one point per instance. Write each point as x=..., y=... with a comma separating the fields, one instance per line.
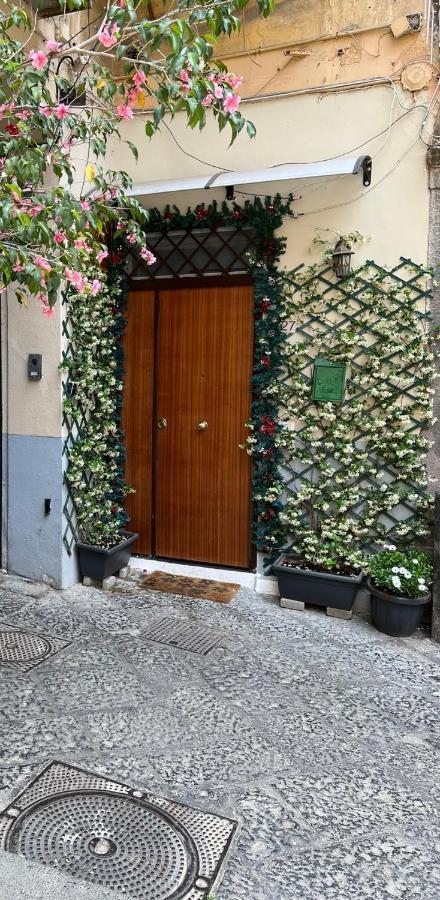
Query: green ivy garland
x=93, y=372
x=352, y=468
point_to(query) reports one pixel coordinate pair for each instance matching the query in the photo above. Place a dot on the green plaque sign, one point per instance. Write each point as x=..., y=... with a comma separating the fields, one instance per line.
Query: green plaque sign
x=328, y=381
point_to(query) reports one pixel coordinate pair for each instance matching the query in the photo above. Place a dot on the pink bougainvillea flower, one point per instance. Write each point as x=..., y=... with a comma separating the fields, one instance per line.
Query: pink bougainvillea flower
x=120, y=226
x=18, y=266
x=81, y=244
x=75, y=278
x=185, y=88
x=231, y=103
x=53, y=46
x=47, y=310
x=235, y=81
x=34, y=210
x=96, y=287
x=208, y=100
x=132, y=96
x=131, y=238
x=139, y=78
x=23, y=114
x=218, y=92
x=121, y=3
x=62, y=111
x=102, y=255
x=184, y=76
x=125, y=111
x=46, y=110
x=85, y=205
x=148, y=256
x=60, y=237
x=107, y=37
x=43, y=263
x=38, y=58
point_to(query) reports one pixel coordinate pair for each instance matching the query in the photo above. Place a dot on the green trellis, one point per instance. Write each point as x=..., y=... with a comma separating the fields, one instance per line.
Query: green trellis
x=377, y=322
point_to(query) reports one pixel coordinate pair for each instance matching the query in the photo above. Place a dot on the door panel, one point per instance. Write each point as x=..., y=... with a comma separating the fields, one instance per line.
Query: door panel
x=204, y=367
x=137, y=418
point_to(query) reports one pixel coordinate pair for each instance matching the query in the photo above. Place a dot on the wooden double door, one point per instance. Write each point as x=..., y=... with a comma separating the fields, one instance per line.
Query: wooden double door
x=187, y=398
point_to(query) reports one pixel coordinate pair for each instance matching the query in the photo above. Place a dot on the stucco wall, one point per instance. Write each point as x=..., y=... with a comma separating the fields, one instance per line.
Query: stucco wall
x=393, y=212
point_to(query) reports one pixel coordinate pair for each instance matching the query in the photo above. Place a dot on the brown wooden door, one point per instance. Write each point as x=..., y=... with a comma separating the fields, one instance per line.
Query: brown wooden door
x=137, y=414
x=200, y=477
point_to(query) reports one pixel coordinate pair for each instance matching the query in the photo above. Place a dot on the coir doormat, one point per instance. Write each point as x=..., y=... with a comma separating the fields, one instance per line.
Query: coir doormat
x=197, y=588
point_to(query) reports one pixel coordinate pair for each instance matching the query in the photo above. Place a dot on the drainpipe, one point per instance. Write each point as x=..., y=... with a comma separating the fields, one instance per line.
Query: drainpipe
x=433, y=163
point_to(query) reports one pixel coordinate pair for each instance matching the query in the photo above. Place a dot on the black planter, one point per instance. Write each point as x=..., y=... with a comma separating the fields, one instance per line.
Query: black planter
x=98, y=562
x=318, y=588
x=397, y=616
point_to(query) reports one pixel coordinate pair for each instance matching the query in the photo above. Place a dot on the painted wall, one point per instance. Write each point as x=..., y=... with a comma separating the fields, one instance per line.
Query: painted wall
x=307, y=128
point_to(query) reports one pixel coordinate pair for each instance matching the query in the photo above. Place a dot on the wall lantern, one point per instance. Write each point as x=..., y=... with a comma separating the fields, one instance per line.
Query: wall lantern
x=341, y=257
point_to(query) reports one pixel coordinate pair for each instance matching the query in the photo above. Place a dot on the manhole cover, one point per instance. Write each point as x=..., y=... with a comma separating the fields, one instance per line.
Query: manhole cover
x=102, y=831
x=184, y=635
x=25, y=649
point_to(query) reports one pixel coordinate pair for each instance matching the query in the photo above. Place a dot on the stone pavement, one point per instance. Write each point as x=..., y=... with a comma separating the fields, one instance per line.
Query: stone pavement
x=322, y=737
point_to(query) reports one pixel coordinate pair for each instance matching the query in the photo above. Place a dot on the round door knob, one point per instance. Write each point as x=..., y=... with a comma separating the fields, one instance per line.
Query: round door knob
x=162, y=423
x=202, y=426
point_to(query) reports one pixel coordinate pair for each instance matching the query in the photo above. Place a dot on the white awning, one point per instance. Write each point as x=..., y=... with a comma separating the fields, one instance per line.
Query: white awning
x=293, y=172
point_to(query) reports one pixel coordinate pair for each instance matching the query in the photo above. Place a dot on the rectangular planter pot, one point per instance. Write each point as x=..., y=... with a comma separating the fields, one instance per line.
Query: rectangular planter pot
x=99, y=562
x=317, y=588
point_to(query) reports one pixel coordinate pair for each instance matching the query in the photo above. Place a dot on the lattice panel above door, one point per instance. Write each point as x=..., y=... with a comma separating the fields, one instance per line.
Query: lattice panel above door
x=194, y=252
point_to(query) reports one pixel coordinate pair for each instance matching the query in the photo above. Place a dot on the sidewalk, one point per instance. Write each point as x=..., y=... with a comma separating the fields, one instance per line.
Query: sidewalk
x=322, y=737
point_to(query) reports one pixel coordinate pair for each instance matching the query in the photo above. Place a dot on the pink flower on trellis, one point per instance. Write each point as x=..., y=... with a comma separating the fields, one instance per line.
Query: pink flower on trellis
x=148, y=256
x=96, y=287
x=53, y=46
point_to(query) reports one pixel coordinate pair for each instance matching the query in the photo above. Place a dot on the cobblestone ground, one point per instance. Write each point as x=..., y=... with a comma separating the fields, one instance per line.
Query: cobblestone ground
x=322, y=737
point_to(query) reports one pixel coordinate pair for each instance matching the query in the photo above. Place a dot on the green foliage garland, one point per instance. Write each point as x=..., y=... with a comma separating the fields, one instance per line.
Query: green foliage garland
x=93, y=370
x=356, y=472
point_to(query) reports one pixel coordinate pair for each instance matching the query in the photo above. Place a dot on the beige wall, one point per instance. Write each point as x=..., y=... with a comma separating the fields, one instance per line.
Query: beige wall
x=31, y=408
x=393, y=212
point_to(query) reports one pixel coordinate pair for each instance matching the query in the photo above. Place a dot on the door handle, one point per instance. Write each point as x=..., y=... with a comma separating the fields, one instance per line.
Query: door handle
x=162, y=423
x=202, y=426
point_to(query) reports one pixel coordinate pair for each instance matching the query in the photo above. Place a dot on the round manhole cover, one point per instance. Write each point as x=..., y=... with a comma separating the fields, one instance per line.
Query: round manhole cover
x=119, y=842
x=18, y=646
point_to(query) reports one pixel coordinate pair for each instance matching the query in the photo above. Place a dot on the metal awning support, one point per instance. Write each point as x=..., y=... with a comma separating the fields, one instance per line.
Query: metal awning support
x=290, y=172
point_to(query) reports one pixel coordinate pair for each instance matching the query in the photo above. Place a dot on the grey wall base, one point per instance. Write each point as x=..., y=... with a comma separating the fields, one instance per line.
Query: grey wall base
x=34, y=539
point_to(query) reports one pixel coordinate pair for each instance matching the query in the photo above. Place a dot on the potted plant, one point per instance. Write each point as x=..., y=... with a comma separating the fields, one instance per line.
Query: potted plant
x=325, y=578
x=99, y=562
x=400, y=590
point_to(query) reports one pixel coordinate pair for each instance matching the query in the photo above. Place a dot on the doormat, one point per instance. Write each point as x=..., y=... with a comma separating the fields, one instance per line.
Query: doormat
x=197, y=588
x=132, y=841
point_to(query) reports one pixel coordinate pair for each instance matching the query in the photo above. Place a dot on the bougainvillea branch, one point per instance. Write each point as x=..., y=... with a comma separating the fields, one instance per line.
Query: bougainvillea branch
x=57, y=198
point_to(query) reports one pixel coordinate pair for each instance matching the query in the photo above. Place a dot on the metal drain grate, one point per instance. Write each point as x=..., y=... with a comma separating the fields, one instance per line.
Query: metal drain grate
x=99, y=830
x=23, y=650
x=184, y=635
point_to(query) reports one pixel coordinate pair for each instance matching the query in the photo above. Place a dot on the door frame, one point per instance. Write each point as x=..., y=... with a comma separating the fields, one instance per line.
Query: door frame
x=156, y=285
